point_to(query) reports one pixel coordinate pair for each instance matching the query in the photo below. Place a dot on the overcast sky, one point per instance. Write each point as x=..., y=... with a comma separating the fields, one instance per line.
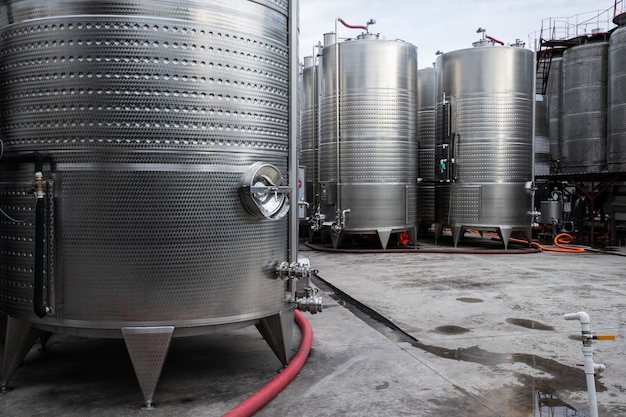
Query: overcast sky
x=449, y=25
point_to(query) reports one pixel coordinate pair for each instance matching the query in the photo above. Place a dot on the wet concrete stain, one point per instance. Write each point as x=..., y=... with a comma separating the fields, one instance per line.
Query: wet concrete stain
x=384, y=385
x=450, y=329
x=520, y=401
x=470, y=300
x=529, y=324
x=566, y=376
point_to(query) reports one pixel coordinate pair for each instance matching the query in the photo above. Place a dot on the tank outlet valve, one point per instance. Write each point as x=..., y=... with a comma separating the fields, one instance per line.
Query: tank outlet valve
x=317, y=220
x=262, y=192
x=38, y=185
x=308, y=300
x=343, y=217
x=294, y=271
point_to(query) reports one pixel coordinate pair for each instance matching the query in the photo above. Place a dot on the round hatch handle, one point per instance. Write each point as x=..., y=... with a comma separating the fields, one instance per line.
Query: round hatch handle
x=262, y=192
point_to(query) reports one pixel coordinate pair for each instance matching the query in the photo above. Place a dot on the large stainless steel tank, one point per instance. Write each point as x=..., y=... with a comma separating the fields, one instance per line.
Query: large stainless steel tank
x=554, y=96
x=583, y=144
x=484, y=140
x=616, y=139
x=368, y=144
x=426, y=101
x=309, y=123
x=161, y=131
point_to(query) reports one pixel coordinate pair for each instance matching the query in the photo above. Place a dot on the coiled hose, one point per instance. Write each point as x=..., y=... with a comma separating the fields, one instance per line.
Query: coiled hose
x=257, y=400
x=560, y=241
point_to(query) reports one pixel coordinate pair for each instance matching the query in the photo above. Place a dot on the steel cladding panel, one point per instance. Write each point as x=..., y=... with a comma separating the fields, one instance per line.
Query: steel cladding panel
x=151, y=112
x=554, y=96
x=616, y=140
x=426, y=100
x=583, y=145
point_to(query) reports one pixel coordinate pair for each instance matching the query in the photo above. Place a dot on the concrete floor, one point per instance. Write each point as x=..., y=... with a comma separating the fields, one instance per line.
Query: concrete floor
x=488, y=339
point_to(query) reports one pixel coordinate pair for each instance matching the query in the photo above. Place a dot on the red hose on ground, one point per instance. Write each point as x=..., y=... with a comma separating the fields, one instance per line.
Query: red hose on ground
x=256, y=401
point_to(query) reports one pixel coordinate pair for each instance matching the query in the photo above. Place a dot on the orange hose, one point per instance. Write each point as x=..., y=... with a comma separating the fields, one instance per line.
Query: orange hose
x=563, y=238
x=559, y=241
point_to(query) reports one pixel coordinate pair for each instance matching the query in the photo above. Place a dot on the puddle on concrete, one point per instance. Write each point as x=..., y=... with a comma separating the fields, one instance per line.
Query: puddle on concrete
x=544, y=402
x=469, y=300
x=562, y=377
x=568, y=377
x=451, y=329
x=529, y=324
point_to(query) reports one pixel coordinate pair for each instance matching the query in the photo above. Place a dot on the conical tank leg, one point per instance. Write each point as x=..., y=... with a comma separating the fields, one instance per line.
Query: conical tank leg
x=438, y=231
x=383, y=236
x=277, y=332
x=457, y=233
x=336, y=237
x=18, y=337
x=147, y=347
x=413, y=235
x=505, y=235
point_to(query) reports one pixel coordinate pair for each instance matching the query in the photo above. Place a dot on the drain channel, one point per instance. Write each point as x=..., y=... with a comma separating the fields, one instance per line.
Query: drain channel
x=368, y=315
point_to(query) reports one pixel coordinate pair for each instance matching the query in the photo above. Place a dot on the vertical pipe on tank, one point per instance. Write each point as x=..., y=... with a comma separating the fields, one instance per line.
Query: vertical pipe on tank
x=293, y=128
x=530, y=186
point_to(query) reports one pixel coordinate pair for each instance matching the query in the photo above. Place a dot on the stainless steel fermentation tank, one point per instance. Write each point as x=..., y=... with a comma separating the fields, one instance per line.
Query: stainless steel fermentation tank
x=158, y=137
x=426, y=124
x=484, y=140
x=368, y=144
x=584, y=106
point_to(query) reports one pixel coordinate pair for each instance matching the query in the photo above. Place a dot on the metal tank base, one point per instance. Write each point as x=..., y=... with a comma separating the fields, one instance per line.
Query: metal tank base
x=504, y=232
x=383, y=235
x=147, y=345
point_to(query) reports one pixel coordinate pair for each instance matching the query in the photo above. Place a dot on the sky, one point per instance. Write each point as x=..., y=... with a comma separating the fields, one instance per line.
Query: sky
x=450, y=25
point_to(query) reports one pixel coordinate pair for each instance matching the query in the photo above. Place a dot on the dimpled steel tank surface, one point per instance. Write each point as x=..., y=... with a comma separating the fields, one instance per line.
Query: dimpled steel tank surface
x=158, y=128
x=484, y=140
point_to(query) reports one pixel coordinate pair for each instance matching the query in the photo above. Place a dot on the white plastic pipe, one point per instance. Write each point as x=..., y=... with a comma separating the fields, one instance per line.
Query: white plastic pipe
x=589, y=366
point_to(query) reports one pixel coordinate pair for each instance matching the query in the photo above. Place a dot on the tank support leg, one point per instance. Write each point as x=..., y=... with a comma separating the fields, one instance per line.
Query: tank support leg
x=457, y=233
x=336, y=237
x=413, y=236
x=277, y=332
x=505, y=235
x=147, y=347
x=438, y=231
x=18, y=337
x=383, y=236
